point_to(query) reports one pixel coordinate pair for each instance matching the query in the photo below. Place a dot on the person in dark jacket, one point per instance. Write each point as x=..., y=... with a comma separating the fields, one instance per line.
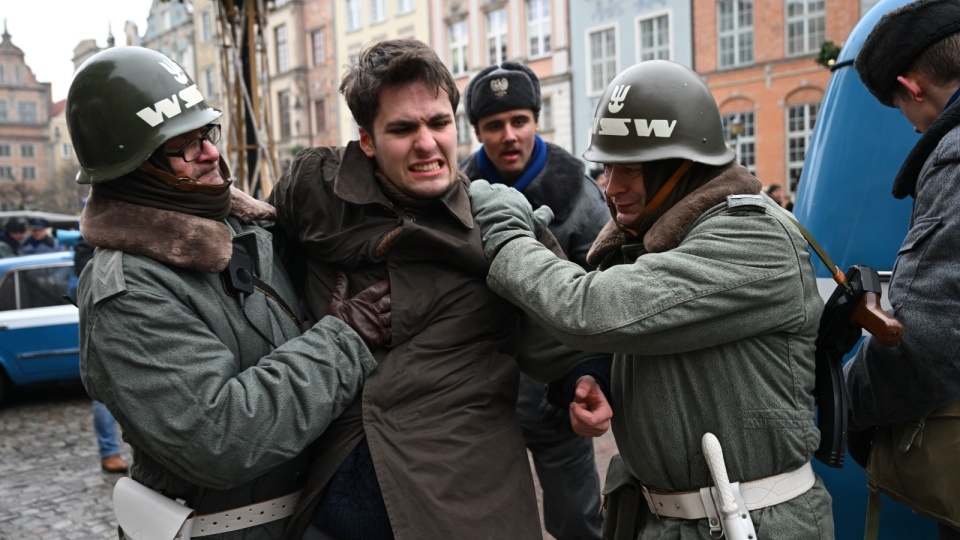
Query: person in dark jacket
x=911, y=61
x=14, y=230
x=40, y=239
x=503, y=106
x=433, y=448
x=190, y=330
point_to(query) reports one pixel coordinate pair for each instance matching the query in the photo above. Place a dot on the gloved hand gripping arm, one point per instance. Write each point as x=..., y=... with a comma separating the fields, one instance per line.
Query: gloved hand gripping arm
x=504, y=214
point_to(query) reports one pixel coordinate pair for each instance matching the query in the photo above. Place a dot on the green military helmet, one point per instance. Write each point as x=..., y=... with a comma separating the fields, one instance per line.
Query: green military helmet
x=656, y=110
x=124, y=103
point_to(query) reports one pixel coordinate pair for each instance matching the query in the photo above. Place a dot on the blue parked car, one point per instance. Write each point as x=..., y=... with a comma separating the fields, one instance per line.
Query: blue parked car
x=39, y=333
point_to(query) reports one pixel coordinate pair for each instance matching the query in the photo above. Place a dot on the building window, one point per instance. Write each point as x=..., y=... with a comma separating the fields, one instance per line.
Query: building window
x=26, y=150
x=739, y=130
x=206, y=27
x=800, y=121
x=27, y=112
x=4, y=150
x=464, y=130
x=601, y=59
x=353, y=15
x=654, y=38
x=546, y=114
x=806, y=26
x=28, y=173
x=209, y=82
x=496, y=36
x=458, y=48
x=378, y=10
x=319, y=53
x=283, y=100
x=404, y=6
x=3, y=111
x=538, y=27
x=735, y=32
x=280, y=35
x=6, y=173
x=66, y=150
x=320, y=114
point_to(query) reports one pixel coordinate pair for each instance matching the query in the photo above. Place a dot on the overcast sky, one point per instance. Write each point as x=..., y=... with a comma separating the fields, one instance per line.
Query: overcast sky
x=48, y=30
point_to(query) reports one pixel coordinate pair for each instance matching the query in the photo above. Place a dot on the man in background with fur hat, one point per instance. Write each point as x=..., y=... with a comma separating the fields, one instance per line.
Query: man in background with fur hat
x=911, y=60
x=503, y=105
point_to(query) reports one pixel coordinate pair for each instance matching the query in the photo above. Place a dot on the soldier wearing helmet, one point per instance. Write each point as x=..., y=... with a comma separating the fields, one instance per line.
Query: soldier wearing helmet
x=706, y=297
x=11, y=240
x=189, y=328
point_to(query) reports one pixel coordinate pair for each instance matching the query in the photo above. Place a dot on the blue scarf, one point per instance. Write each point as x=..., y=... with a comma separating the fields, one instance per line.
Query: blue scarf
x=538, y=161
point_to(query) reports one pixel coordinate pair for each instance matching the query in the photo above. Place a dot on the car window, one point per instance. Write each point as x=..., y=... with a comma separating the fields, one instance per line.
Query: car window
x=34, y=287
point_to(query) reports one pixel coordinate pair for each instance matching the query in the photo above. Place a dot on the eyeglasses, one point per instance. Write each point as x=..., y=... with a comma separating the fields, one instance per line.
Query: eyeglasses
x=192, y=150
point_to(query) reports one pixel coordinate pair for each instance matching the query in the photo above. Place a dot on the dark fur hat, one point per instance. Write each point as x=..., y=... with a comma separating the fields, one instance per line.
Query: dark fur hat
x=495, y=89
x=898, y=38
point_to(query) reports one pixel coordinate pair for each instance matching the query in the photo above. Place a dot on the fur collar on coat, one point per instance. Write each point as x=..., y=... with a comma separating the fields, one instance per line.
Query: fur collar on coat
x=673, y=226
x=173, y=238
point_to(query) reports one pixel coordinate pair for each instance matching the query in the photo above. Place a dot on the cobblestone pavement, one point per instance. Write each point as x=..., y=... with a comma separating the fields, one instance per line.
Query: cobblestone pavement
x=51, y=484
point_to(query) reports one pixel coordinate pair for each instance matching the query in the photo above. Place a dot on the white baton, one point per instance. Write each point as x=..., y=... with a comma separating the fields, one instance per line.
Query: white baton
x=737, y=524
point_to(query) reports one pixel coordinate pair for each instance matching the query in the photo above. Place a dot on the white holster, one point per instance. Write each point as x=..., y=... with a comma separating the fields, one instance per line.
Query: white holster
x=144, y=514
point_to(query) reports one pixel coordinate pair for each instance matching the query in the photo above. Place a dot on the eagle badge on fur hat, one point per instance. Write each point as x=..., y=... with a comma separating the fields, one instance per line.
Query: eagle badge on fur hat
x=499, y=87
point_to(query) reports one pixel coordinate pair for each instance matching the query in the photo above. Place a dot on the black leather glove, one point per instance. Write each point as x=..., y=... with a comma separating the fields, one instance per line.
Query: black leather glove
x=368, y=312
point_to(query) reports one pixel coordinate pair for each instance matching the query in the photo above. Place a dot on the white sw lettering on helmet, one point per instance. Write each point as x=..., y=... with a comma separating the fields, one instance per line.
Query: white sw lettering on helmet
x=616, y=100
x=170, y=107
x=620, y=127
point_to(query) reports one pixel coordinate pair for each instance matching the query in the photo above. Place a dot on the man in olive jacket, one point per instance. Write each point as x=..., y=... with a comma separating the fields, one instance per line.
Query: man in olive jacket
x=433, y=448
x=189, y=328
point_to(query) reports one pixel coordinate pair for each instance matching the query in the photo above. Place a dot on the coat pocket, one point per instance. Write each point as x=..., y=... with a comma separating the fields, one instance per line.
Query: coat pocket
x=911, y=254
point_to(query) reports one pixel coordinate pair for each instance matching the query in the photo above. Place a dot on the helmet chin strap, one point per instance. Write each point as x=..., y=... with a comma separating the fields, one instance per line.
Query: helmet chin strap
x=184, y=184
x=656, y=201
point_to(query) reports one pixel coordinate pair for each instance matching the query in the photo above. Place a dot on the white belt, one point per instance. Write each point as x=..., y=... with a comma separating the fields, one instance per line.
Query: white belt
x=244, y=516
x=756, y=494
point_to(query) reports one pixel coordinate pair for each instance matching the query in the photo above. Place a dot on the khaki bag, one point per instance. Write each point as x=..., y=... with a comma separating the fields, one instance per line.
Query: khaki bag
x=622, y=497
x=918, y=464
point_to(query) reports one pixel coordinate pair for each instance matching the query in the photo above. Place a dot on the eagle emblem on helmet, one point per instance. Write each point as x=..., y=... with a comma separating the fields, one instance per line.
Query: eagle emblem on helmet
x=499, y=87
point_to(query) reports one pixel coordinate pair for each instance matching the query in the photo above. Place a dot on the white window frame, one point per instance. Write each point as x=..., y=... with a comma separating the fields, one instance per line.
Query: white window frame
x=206, y=28
x=378, y=11
x=404, y=6
x=744, y=145
x=282, y=48
x=354, y=21
x=458, y=47
x=318, y=48
x=464, y=129
x=539, y=28
x=653, y=17
x=27, y=112
x=545, y=121
x=798, y=139
x=496, y=36
x=66, y=150
x=739, y=34
x=596, y=88
x=806, y=31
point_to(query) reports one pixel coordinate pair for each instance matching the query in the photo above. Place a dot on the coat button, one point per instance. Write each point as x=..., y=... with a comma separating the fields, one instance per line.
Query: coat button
x=409, y=217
